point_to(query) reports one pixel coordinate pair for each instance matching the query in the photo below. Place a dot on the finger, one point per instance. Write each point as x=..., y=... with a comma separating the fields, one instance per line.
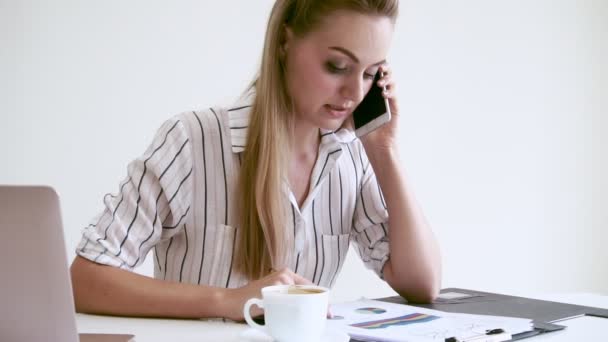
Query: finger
x=389, y=90
x=388, y=93
x=385, y=69
x=385, y=81
x=299, y=280
x=286, y=279
x=256, y=311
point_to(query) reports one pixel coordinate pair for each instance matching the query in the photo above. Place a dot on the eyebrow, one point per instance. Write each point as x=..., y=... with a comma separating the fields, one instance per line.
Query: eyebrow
x=352, y=55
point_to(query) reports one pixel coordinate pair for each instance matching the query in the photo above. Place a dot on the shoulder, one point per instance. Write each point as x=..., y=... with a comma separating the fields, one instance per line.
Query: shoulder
x=234, y=113
x=225, y=124
x=211, y=122
x=206, y=118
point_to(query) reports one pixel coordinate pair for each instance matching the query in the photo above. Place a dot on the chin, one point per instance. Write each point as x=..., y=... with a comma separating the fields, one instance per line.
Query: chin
x=332, y=125
x=329, y=123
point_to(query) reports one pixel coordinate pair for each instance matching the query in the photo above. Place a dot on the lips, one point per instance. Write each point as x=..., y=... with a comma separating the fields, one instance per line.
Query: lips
x=340, y=108
x=337, y=111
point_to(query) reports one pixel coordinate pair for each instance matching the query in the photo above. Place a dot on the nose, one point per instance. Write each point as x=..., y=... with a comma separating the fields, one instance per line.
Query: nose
x=353, y=89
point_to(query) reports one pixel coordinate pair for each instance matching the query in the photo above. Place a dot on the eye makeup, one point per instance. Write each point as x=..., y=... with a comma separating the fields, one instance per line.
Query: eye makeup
x=338, y=69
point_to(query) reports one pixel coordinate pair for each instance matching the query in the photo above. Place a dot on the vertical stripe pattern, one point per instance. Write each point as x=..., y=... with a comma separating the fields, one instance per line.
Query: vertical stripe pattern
x=178, y=200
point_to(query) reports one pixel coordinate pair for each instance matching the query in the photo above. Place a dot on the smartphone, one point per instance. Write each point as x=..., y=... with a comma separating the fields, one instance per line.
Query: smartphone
x=373, y=111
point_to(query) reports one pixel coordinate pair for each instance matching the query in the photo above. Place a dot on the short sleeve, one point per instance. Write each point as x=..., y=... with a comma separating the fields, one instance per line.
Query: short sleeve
x=152, y=203
x=370, y=220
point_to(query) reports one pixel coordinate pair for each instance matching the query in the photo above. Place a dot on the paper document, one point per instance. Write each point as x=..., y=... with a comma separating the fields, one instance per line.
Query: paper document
x=371, y=320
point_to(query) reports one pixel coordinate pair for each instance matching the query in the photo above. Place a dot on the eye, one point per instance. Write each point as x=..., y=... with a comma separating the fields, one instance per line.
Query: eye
x=370, y=75
x=335, y=68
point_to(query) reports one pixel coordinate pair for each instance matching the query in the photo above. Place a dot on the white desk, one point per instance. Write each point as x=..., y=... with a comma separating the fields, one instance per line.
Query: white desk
x=166, y=330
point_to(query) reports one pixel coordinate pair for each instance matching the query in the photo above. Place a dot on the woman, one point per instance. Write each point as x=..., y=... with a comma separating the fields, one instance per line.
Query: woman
x=271, y=190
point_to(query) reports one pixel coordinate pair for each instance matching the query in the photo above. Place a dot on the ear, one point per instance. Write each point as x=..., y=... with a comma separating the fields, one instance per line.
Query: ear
x=287, y=38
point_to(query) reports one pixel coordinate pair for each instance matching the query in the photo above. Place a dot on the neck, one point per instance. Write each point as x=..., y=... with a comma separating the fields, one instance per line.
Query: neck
x=305, y=140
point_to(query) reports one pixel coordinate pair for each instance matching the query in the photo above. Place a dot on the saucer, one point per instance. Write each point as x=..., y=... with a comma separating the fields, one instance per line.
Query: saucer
x=330, y=335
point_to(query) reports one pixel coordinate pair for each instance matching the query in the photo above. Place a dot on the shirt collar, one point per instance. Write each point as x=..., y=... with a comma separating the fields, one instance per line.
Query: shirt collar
x=238, y=119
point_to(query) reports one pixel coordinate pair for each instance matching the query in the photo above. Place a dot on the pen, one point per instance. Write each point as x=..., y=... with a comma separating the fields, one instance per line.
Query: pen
x=493, y=335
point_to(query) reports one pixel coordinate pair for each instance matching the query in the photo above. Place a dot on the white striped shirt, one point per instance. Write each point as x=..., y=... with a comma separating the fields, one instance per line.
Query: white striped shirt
x=179, y=199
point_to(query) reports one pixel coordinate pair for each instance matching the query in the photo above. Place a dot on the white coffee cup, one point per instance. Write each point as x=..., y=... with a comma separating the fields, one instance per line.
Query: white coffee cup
x=292, y=313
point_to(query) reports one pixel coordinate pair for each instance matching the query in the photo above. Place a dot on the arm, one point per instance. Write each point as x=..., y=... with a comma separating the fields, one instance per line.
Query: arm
x=154, y=195
x=414, y=266
x=101, y=289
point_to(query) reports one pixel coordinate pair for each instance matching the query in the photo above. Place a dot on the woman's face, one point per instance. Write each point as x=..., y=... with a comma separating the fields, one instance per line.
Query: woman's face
x=329, y=70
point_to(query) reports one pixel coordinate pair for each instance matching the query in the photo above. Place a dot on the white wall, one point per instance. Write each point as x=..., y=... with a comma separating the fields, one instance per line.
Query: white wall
x=505, y=107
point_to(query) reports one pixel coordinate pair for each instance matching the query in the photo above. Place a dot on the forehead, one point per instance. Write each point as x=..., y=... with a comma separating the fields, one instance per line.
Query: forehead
x=368, y=37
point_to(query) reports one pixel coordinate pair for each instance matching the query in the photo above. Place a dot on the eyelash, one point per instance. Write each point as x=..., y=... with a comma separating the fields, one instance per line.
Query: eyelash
x=332, y=68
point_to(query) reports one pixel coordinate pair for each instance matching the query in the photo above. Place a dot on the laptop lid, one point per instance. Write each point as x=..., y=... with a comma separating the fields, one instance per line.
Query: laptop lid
x=36, y=301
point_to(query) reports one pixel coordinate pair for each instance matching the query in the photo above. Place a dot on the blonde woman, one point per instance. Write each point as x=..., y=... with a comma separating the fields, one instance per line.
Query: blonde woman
x=272, y=190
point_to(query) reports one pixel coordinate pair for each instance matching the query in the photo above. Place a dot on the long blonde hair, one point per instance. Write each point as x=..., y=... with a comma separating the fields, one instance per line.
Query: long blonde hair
x=263, y=241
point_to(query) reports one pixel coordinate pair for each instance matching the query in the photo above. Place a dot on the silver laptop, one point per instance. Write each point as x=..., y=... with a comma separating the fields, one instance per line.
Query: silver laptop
x=36, y=301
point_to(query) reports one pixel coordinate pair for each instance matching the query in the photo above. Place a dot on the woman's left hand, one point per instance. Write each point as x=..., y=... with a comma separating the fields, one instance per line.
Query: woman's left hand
x=385, y=137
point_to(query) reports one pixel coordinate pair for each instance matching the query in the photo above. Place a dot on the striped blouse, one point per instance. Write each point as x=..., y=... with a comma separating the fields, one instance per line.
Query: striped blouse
x=179, y=200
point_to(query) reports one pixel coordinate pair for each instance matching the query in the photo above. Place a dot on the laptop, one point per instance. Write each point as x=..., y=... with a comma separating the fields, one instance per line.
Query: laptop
x=36, y=301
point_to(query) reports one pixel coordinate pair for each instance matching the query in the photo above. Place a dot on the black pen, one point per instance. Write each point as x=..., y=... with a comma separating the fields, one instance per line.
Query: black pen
x=493, y=335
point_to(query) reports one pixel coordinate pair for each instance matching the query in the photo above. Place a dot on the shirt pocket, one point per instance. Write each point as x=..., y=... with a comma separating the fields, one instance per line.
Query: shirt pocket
x=220, y=243
x=335, y=248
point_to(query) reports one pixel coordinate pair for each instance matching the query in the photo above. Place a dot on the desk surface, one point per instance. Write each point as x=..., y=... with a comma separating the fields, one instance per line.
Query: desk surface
x=163, y=330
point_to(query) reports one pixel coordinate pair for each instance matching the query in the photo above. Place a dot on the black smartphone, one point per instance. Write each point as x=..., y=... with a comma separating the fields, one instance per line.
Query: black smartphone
x=373, y=111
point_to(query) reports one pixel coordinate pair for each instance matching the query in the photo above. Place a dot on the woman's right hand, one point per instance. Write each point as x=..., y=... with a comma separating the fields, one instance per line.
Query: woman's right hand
x=236, y=298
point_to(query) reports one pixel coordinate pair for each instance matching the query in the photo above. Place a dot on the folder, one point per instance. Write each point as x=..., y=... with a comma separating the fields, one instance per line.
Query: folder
x=544, y=314
x=98, y=337
x=374, y=320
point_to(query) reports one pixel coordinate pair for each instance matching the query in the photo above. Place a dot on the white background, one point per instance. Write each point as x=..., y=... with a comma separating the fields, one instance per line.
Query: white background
x=503, y=137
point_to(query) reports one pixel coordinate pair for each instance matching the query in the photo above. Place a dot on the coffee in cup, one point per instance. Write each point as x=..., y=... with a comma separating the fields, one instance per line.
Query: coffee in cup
x=292, y=313
x=301, y=290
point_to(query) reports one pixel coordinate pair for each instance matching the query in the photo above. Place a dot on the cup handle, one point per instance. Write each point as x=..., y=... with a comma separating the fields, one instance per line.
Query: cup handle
x=247, y=314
